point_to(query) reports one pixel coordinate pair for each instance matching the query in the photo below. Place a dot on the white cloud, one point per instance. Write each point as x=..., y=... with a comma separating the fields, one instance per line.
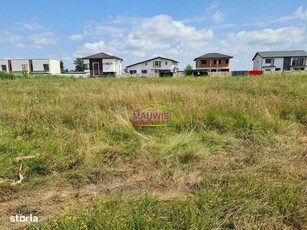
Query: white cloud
x=134, y=41
x=294, y=35
x=6, y=36
x=30, y=25
x=45, y=38
x=96, y=46
x=218, y=17
x=139, y=54
x=164, y=27
x=21, y=45
x=76, y=37
x=212, y=6
x=299, y=14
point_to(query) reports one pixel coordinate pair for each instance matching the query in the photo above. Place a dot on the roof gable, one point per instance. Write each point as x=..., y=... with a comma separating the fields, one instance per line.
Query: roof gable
x=213, y=55
x=102, y=56
x=152, y=60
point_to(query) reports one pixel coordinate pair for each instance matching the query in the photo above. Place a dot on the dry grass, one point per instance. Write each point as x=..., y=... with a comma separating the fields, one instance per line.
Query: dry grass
x=235, y=157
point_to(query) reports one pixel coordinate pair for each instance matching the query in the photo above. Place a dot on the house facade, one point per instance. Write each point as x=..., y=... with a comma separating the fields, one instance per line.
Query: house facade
x=280, y=61
x=212, y=63
x=46, y=66
x=158, y=66
x=103, y=64
x=5, y=65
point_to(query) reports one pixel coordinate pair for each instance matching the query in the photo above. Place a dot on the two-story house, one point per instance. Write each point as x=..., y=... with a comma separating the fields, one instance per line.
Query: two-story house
x=212, y=62
x=158, y=66
x=280, y=61
x=102, y=64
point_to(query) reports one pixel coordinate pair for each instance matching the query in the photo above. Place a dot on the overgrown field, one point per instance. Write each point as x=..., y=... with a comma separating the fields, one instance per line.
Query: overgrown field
x=235, y=157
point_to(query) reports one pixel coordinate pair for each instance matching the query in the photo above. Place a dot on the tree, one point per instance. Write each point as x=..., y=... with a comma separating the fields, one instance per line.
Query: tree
x=62, y=66
x=80, y=66
x=188, y=70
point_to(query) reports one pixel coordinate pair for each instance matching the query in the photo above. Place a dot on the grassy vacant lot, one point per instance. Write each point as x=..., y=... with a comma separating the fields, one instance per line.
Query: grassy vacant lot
x=235, y=158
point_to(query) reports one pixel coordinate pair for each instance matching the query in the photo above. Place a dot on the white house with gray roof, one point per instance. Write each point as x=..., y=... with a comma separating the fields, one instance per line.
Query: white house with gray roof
x=158, y=66
x=280, y=61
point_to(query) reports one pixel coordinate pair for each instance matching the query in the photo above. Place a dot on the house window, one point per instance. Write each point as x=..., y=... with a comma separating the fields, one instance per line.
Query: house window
x=215, y=61
x=23, y=66
x=204, y=62
x=298, y=62
x=144, y=71
x=132, y=71
x=165, y=62
x=227, y=61
x=220, y=61
x=3, y=67
x=268, y=61
x=145, y=63
x=46, y=67
x=157, y=64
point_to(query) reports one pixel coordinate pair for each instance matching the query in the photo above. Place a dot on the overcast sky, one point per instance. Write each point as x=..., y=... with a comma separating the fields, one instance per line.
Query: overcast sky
x=137, y=30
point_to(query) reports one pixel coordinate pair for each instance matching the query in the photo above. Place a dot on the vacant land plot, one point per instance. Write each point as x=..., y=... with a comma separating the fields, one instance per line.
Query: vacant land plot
x=235, y=157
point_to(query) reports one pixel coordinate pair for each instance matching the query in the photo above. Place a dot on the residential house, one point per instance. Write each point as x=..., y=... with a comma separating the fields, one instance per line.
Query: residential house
x=280, y=61
x=5, y=65
x=46, y=66
x=158, y=66
x=211, y=63
x=49, y=66
x=102, y=64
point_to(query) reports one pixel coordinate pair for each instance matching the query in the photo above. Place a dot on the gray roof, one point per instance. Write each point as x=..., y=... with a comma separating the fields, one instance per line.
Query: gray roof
x=213, y=55
x=281, y=54
x=102, y=56
x=151, y=60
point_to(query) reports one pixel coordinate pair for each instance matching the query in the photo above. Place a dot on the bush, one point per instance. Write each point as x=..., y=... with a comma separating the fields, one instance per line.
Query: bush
x=4, y=75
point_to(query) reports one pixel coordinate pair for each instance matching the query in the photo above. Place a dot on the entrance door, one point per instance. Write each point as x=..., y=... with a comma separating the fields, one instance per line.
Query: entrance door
x=287, y=63
x=96, y=69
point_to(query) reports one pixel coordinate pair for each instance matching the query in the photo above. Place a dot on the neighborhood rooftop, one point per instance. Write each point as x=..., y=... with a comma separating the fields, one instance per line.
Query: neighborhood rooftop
x=213, y=55
x=102, y=56
x=281, y=54
x=151, y=60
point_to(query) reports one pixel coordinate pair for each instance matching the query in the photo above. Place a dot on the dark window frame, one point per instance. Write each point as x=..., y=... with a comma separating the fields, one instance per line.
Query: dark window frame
x=46, y=67
x=157, y=63
x=268, y=61
x=4, y=69
x=132, y=71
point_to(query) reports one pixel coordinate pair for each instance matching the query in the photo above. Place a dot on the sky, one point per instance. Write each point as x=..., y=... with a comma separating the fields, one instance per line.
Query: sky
x=137, y=30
